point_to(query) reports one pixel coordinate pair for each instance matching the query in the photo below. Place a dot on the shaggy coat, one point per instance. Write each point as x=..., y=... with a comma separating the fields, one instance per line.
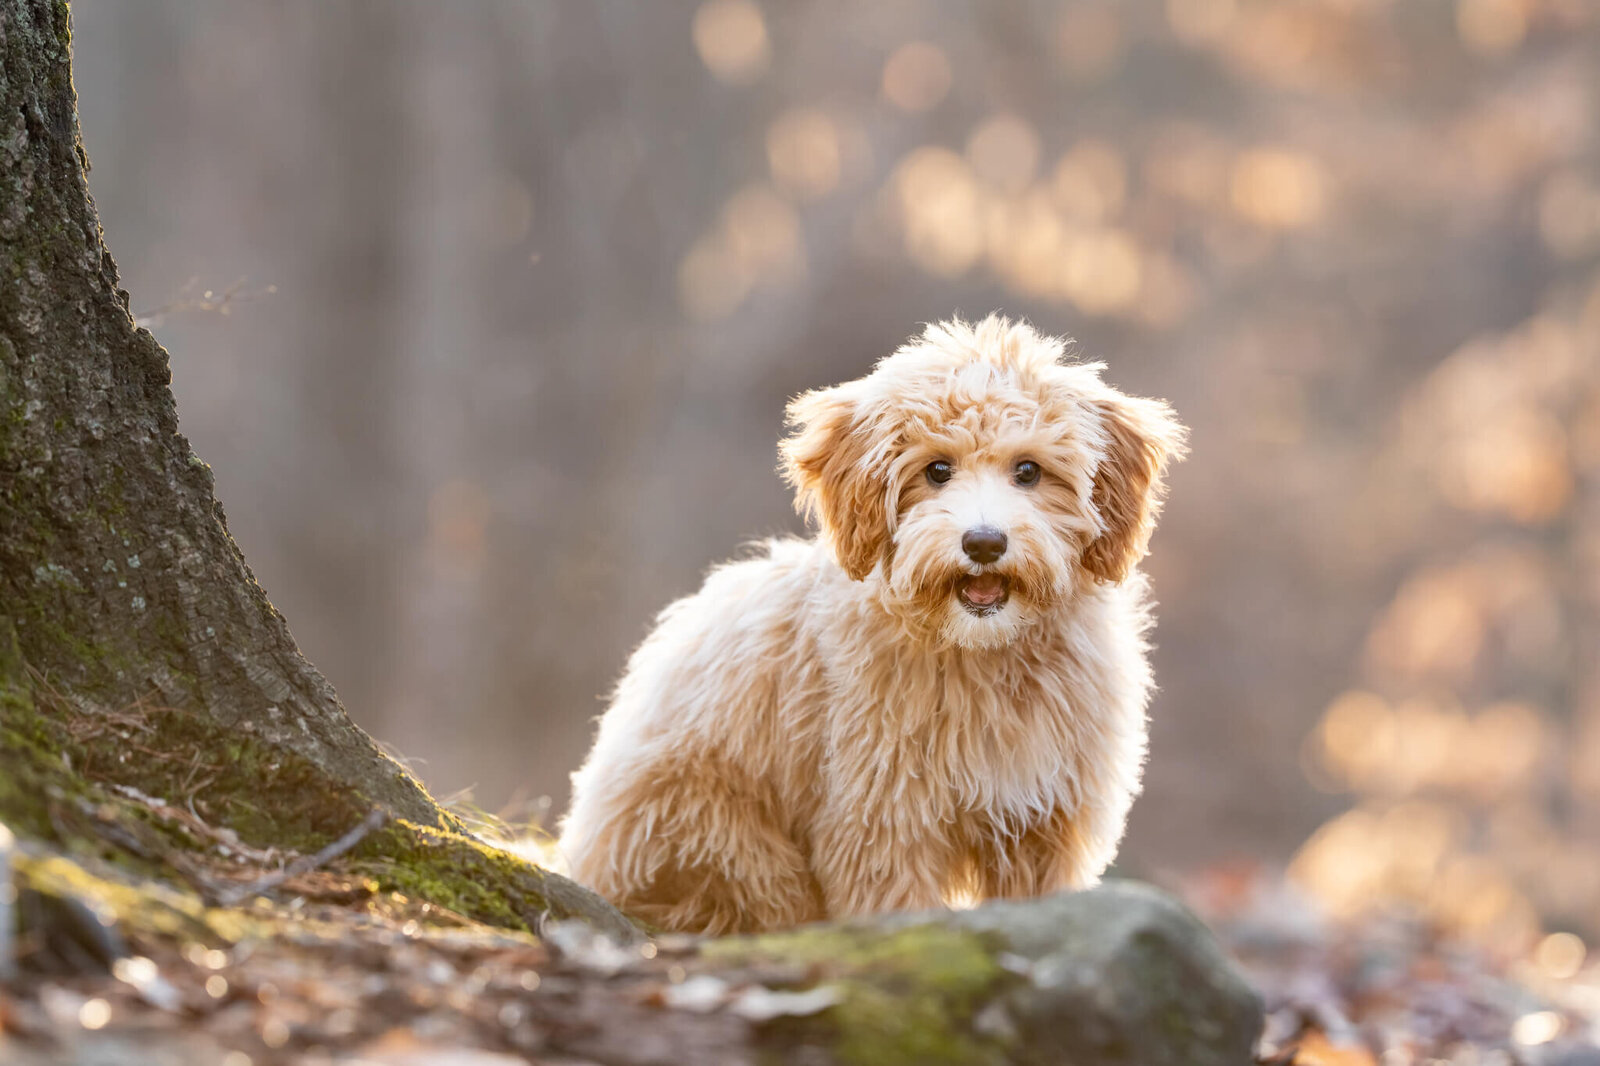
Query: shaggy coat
x=883, y=718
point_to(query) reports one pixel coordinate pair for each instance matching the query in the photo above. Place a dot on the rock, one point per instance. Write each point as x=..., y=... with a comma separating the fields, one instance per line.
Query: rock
x=1120, y=974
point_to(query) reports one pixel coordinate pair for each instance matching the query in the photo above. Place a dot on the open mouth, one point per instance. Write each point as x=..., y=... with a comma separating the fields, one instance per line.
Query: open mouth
x=983, y=594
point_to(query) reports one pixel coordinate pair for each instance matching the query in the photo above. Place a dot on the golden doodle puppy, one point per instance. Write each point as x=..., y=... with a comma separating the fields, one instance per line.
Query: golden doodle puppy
x=941, y=695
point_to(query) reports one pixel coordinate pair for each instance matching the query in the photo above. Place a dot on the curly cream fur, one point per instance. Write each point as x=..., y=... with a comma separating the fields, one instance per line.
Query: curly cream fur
x=826, y=729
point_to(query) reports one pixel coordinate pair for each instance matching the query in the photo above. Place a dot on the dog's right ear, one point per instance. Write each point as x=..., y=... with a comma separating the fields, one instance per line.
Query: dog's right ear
x=828, y=459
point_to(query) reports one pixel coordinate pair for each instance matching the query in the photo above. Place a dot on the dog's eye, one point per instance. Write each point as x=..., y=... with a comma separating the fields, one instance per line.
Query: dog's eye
x=939, y=471
x=1027, y=472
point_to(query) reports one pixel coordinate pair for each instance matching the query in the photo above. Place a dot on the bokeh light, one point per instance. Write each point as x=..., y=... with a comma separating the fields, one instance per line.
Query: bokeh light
x=1004, y=152
x=1278, y=187
x=804, y=153
x=916, y=76
x=731, y=37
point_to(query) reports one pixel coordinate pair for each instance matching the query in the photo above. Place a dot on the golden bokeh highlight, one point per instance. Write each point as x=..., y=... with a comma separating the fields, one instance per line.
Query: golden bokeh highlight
x=916, y=76
x=1434, y=628
x=1367, y=745
x=1278, y=188
x=1054, y=237
x=940, y=210
x=1514, y=464
x=1004, y=152
x=1102, y=270
x=1447, y=616
x=1414, y=853
x=1452, y=780
x=763, y=231
x=804, y=153
x=1313, y=47
x=1560, y=956
x=1494, y=443
x=1090, y=182
x=1026, y=238
x=756, y=242
x=1491, y=27
x=731, y=38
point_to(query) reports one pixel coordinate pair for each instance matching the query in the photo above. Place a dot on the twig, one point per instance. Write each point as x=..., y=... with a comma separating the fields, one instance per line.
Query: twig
x=228, y=897
x=219, y=302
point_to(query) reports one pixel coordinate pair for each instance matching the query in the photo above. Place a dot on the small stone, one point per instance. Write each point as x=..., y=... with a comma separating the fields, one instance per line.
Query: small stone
x=759, y=1004
x=700, y=994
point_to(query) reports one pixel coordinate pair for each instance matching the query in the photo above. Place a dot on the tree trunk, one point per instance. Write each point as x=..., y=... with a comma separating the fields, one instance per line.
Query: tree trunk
x=118, y=578
x=119, y=583
x=164, y=748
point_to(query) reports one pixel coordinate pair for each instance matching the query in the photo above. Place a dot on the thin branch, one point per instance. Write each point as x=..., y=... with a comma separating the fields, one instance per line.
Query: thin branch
x=219, y=302
x=229, y=897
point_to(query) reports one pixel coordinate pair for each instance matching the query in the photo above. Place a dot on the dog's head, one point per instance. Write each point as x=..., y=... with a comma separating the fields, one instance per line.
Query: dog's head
x=980, y=478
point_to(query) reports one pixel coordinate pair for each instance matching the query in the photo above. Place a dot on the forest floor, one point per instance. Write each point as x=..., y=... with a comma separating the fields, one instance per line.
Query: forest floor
x=326, y=969
x=1389, y=990
x=223, y=951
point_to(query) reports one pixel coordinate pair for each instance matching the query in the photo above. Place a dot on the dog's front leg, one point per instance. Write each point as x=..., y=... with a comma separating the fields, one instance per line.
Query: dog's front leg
x=1052, y=855
x=874, y=864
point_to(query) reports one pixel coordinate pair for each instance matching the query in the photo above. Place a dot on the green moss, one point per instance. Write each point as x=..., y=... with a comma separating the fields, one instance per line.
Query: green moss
x=103, y=660
x=457, y=872
x=908, y=997
x=55, y=766
x=144, y=908
x=30, y=760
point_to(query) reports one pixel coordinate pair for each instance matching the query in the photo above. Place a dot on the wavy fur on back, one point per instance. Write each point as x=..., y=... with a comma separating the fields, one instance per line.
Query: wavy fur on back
x=834, y=726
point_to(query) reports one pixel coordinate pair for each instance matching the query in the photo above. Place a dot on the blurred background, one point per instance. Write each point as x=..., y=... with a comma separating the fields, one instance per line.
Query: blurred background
x=485, y=315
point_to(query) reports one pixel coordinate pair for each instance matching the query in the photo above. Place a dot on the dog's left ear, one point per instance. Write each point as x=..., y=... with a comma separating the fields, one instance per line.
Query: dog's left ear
x=1142, y=437
x=828, y=460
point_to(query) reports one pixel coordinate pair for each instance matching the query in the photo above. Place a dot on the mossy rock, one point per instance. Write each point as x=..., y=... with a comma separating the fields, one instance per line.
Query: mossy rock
x=1119, y=975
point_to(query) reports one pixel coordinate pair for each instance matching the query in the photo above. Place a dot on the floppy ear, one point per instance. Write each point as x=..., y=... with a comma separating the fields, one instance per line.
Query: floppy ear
x=828, y=459
x=1142, y=436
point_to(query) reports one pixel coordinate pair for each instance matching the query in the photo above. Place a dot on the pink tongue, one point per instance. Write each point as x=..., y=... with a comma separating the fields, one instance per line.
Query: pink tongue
x=984, y=590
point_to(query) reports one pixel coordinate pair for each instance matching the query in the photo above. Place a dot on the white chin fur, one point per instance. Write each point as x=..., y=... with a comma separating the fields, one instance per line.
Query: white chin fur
x=994, y=629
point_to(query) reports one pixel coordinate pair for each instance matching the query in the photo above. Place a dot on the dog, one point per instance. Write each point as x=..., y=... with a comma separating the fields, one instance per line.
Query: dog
x=941, y=697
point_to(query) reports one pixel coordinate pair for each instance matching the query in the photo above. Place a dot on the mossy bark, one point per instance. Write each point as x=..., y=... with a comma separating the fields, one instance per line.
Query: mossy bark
x=119, y=582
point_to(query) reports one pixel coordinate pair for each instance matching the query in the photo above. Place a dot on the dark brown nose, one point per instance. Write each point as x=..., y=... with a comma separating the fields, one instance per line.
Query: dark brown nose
x=984, y=544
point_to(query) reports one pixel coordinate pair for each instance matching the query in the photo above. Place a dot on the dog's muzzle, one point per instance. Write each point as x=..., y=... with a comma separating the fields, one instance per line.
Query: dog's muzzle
x=983, y=593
